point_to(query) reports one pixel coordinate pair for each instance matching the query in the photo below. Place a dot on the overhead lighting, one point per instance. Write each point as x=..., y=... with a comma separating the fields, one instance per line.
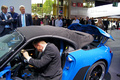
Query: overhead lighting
x=90, y=4
x=84, y=4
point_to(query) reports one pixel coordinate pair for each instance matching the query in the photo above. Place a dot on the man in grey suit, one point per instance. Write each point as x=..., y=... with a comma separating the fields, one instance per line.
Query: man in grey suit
x=48, y=63
x=6, y=21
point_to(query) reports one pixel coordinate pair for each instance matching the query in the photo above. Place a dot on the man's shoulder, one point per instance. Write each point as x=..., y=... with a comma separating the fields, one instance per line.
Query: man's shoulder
x=50, y=44
x=16, y=13
x=19, y=15
x=28, y=14
x=8, y=14
x=52, y=48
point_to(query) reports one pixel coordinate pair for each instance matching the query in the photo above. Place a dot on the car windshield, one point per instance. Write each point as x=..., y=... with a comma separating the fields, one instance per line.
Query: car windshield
x=9, y=42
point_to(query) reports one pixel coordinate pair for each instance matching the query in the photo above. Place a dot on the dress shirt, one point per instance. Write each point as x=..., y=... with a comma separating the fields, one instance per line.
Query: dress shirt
x=23, y=20
x=75, y=21
x=6, y=26
x=52, y=22
x=58, y=23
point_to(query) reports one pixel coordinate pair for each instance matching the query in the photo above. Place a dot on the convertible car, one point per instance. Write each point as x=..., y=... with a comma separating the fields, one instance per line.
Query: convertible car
x=81, y=57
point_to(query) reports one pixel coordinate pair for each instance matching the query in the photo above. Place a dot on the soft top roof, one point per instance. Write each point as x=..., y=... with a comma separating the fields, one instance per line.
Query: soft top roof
x=79, y=39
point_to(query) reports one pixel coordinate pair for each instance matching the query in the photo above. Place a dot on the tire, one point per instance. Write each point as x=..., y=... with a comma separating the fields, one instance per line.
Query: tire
x=96, y=71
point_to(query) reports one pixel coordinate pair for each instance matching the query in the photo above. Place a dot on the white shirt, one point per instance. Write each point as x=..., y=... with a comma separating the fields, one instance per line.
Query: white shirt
x=75, y=21
x=23, y=15
x=58, y=23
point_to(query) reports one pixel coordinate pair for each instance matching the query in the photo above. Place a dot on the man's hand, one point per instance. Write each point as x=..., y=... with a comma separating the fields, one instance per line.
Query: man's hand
x=3, y=20
x=25, y=54
x=10, y=18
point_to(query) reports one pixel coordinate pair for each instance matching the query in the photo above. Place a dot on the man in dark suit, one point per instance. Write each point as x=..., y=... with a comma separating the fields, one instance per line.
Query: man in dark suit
x=48, y=63
x=14, y=16
x=24, y=19
x=6, y=21
x=52, y=22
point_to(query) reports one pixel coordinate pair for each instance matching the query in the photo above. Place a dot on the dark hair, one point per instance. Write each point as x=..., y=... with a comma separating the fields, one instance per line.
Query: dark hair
x=59, y=16
x=37, y=41
x=11, y=7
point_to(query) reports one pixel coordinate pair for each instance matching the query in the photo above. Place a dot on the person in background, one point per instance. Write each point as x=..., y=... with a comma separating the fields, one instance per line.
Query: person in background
x=6, y=21
x=46, y=21
x=36, y=20
x=75, y=20
x=14, y=16
x=82, y=21
x=24, y=19
x=58, y=22
x=68, y=22
x=92, y=21
x=106, y=23
x=100, y=24
x=117, y=25
x=88, y=21
x=52, y=21
x=62, y=20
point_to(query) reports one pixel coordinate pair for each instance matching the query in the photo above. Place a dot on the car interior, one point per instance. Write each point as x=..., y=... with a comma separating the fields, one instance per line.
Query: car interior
x=19, y=63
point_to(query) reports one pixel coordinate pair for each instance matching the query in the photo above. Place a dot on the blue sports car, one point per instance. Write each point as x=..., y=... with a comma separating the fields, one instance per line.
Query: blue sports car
x=82, y=57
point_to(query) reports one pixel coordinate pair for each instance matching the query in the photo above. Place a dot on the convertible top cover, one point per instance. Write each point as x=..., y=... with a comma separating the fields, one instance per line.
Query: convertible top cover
x=79, y=39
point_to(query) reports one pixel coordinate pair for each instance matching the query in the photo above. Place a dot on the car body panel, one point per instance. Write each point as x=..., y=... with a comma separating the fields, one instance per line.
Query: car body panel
x=82, y=58
x=92, y=29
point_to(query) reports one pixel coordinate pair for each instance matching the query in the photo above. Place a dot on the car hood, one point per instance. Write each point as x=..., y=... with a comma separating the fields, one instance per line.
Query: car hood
x=91, y=29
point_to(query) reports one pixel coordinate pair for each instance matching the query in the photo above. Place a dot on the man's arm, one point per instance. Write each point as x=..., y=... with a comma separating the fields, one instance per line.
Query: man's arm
x=2, y=21
x=45, y=59
x=10, y=19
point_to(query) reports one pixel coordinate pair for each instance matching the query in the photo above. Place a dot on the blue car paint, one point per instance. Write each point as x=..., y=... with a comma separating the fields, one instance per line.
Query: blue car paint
x=82, y=58
x=91, y=29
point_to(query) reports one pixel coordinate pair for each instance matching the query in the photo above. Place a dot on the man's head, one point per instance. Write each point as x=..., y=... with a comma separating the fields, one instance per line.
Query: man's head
x=39, y=45
x=22, y=9
x=52, y=18
x=11, y=9
x=75, y=17
x=46, y=17
x=87, y=18
x=59, y=17
x=36, y=17
x=4, y=9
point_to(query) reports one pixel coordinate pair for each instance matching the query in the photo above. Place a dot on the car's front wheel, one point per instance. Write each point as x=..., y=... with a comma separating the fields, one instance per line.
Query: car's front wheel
x=97, y=71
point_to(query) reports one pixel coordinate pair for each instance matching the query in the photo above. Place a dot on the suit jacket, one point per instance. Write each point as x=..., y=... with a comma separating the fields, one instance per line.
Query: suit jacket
x=51, y=23
x=6, y=22
x=49, y=62
x=28, y=19
x=14, y=16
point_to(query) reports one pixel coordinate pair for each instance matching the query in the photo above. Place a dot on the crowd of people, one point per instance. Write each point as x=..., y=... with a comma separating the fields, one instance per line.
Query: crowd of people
x=9, y=21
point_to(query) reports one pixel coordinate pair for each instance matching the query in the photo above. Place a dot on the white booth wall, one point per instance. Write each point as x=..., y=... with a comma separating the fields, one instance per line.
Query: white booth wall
x=16, y=4
x=106, y=10
x=100, y=11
